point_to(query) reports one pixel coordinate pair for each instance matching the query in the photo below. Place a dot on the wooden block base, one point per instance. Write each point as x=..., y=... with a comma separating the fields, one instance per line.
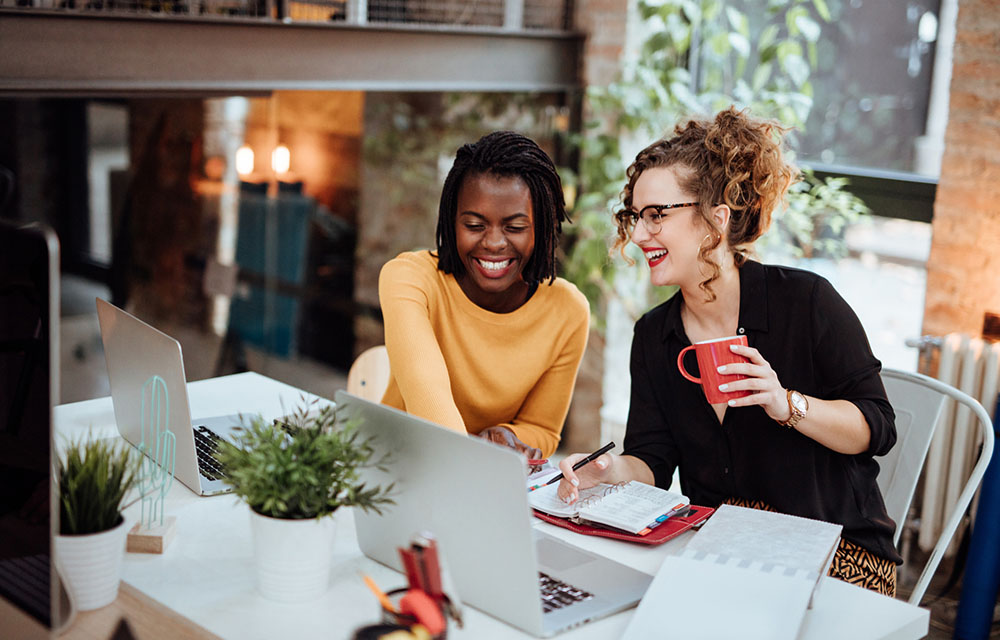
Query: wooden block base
x=152, y=539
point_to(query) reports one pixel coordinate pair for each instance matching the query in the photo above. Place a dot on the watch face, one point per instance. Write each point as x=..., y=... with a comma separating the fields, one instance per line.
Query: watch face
x=799, y=401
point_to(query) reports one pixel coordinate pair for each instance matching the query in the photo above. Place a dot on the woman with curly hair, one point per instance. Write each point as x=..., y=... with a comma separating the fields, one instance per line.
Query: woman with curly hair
x=803, y=441
x=482, y=336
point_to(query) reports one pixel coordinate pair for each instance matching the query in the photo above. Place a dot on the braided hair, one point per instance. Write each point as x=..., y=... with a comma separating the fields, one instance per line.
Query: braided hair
x=506, y=154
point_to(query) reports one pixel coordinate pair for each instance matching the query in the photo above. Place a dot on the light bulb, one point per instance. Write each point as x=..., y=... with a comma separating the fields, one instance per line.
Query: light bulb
x=281, y=159
x=244, y=160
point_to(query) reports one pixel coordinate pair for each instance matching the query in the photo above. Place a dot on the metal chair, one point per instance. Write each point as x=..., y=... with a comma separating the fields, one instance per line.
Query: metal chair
x=368, y=377
x=919, y=402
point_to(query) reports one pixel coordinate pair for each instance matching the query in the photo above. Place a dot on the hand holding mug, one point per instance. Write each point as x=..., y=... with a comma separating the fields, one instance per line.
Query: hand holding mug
x=711, y=356
x=757, y=381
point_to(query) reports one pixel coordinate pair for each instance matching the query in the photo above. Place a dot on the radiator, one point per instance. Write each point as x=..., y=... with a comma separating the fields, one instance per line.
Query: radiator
x=972, y=366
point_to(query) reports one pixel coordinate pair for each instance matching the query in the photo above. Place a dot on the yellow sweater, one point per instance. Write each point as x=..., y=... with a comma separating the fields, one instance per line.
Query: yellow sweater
x=461, y=366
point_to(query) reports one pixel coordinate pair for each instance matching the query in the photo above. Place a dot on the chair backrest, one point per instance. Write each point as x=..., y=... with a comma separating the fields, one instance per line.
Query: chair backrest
x=369, y=374
x=918, y=411
x=918, y=402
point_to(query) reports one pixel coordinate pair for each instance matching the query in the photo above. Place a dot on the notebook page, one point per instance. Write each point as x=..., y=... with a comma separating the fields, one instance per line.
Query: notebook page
x=766, y=536
x=633, y=507
x=546, y=499
x=760, y=601
x=769, y=537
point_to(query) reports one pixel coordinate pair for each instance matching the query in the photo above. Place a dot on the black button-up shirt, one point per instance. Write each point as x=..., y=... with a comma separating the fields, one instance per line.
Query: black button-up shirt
x=815, y=343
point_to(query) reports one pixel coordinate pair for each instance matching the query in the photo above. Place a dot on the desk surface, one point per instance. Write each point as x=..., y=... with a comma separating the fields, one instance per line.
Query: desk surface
x=206, y=574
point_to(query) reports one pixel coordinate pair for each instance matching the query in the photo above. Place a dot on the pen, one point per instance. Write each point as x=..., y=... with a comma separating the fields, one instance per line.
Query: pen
x=409, y=560
x=427, y=556
x=608, y=447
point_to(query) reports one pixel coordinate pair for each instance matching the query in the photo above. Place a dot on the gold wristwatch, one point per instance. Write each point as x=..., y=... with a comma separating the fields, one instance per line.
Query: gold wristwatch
x=798, y=405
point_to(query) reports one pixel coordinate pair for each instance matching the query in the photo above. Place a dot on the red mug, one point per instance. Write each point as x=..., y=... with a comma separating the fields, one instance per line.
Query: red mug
x=711, y=355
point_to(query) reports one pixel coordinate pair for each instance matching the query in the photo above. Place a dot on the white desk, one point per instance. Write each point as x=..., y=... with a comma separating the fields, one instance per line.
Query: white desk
x=207, y=576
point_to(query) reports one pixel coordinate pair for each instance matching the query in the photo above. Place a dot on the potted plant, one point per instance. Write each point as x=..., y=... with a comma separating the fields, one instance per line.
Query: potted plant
x=94, y=477
x=294, y=474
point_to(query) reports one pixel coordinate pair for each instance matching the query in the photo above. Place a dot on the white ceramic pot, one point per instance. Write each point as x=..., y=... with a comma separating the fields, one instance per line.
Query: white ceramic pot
x=91, y=565
x=292, y=556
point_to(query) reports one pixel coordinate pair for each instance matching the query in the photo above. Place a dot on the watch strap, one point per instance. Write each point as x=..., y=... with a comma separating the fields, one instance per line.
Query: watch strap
x=796, y=413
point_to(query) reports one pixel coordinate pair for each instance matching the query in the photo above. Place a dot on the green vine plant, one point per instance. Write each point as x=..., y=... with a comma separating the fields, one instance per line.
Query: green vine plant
x=306, y=466
x=697, y=57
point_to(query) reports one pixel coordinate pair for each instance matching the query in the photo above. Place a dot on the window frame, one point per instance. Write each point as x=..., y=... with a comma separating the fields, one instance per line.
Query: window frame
x=889, y=194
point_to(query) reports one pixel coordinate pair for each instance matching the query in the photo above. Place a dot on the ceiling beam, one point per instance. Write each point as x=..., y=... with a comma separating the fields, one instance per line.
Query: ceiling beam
x=86, y=54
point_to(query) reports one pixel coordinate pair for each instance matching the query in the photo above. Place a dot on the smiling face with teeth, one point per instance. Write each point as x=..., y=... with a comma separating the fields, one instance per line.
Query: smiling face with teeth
x=672, y=252
x=495, y=238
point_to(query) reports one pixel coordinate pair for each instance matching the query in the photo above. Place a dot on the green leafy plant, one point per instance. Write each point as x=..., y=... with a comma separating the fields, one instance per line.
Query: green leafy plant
x=696, y=58
x=305, y=467
x=93, y=477
x=817, y=215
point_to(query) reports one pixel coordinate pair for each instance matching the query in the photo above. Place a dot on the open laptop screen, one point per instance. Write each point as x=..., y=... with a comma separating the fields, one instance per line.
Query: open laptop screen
x=29, y=387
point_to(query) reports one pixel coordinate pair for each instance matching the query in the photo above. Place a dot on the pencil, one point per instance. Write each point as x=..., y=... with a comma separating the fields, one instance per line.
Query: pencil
x=594, y=456
x=382, y=598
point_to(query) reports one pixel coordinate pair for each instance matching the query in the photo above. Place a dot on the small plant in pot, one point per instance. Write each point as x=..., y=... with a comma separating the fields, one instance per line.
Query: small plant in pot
x=294, y=475
x=94, y=478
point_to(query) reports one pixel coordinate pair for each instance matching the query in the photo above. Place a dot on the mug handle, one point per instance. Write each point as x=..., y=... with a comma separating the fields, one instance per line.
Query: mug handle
x=680, y=365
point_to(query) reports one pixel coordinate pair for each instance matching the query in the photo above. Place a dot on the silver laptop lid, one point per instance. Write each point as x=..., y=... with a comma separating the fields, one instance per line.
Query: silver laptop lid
x=135, y=351
x=472, y=498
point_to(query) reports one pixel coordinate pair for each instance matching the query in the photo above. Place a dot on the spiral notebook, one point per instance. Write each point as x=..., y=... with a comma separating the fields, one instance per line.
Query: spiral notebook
x=633, y=507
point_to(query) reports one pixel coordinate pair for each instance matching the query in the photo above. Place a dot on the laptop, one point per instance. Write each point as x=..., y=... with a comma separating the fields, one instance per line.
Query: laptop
x=135, y=351
x=471, y=495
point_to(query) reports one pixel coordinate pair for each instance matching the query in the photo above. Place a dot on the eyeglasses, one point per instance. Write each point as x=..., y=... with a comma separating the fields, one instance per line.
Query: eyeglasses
x=652, y=215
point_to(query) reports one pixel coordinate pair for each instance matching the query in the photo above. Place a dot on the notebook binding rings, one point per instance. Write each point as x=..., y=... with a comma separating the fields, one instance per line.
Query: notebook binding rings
x=615, y=488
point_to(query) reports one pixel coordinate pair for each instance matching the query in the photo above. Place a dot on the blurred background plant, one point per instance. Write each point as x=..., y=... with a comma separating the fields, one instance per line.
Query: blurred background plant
x=415, y=138
x=697, y=57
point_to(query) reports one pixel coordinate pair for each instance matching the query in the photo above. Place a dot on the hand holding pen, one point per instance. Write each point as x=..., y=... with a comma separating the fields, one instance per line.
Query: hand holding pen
x=582, y=471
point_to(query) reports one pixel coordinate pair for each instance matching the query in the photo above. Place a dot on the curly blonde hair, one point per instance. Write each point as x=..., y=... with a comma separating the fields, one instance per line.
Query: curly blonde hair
x=732, y=159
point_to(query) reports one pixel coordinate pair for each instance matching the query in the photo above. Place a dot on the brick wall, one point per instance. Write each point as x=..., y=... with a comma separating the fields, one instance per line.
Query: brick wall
x=604, y=22
x=397, y=207
x=963, y=271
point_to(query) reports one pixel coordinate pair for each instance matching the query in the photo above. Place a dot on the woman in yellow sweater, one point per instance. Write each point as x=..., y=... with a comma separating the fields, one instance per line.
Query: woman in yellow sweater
x=482, y=336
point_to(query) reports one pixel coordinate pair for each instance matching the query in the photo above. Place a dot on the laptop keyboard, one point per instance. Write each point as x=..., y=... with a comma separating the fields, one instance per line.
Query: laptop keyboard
x=556, y=594
x=205, y=446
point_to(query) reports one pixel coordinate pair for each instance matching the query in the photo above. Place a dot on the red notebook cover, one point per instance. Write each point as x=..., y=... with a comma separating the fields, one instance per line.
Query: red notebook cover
x=666, y=531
